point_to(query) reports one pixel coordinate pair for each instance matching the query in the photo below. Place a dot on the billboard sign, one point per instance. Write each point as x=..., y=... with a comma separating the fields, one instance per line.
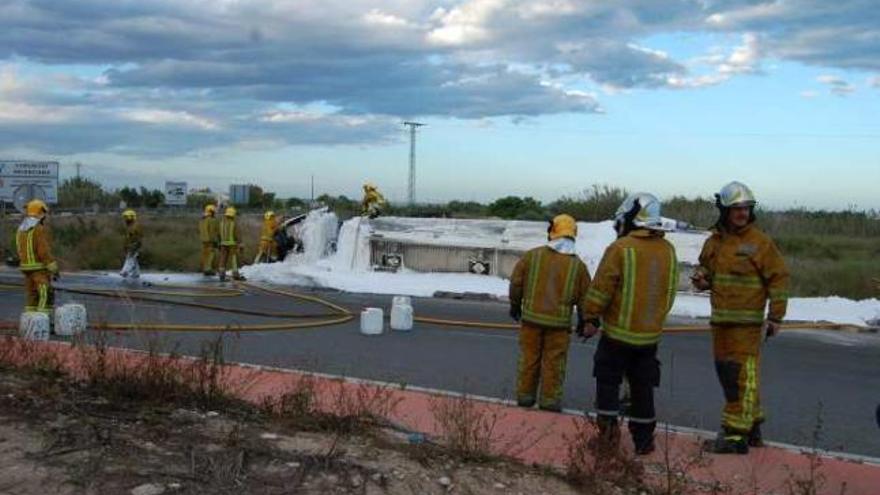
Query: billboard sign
x=175, y=193
x=23, y=180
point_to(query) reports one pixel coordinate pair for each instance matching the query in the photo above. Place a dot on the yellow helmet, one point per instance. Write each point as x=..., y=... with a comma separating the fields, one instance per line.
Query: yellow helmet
x=37, y=208
x=269, y=215
x=369, y=186
x=129, y=214
x=563, y=226
x=210, y=209
x=230, y=212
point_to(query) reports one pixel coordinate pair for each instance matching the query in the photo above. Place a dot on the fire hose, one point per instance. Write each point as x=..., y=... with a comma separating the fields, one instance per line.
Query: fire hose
x=337, y=315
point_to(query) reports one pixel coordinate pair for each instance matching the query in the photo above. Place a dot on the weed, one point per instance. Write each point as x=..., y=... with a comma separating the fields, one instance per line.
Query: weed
x=598, y=468
x=466, y=427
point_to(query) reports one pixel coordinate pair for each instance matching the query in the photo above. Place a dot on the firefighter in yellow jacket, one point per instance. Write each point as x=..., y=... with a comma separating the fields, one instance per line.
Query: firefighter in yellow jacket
x=630, y=297
x=209, y=235
x=547, y=283
x=744, y=269
x=33, y=244
x=268, y=247
x=132, y=242
x=373, y=201
x=230, y=244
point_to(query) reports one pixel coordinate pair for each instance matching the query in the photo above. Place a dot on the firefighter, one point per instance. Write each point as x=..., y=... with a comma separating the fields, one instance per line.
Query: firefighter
x=132, y=241
x=268, y=252
x=373, y=201
x=546, y=284
x=33, y=244
x=230, y=244
x=629, y=299
x=209, y=235
x=743, y=269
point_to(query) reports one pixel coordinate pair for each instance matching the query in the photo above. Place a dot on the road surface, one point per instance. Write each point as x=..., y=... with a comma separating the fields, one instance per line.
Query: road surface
x=811, y=379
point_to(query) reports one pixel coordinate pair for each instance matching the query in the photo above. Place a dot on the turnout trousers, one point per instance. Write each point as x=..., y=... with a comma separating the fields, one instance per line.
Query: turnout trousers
x=209, y=258
x=543, y=356
x=39, y=293
x=737, y=351
x=614, y=361
x=229, y=259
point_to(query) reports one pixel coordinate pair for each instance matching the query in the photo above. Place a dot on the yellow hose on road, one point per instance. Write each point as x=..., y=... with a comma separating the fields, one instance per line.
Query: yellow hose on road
x=337, y=316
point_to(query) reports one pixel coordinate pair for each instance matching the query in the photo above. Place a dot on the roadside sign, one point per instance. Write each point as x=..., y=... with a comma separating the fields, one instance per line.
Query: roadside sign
x=23, y=180
x=175, y=193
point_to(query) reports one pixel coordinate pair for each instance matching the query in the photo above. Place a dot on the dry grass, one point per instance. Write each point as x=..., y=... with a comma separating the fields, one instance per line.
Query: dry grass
x=601, y=469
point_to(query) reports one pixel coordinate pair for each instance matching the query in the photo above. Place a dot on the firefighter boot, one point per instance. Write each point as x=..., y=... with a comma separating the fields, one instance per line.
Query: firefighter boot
x=727, y=443
x=756, y=438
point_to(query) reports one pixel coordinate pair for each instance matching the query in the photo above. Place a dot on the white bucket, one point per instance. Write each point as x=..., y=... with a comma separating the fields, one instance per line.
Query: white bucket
x=34, y=326
x=402, y=318
x=70, y=320
x=372, y=321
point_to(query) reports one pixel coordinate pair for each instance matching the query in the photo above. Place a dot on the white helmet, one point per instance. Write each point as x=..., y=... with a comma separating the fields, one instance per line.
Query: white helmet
x=648, y=214
x=736, y=194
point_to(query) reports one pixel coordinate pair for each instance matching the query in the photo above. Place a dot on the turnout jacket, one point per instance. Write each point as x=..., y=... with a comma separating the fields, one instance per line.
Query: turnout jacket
x=634, y=288
x=33, y=245
x=547, y=285
x=745, y=270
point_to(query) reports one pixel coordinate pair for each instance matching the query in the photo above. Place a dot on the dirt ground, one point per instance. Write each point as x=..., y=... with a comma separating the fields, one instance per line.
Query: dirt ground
x=57, y=437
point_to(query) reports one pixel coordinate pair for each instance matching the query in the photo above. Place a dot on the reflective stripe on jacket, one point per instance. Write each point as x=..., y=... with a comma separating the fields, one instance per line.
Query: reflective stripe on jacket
x=634, y=288
x=547, y=284
x=209, y=231
x=745, y=270
x=34, y=251
x=228, y=232
x=270, y=226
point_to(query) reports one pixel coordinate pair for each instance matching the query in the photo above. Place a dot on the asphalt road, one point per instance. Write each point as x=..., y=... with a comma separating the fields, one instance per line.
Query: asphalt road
x=813, y=381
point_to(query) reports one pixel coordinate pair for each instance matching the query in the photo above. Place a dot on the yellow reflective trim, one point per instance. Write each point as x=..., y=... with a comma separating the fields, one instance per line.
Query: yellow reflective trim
x=629, y=282
x=673, y=279
x=730, y=280
x=546, y=320
x=737, y=316
x=630, y=336
x=565, y=308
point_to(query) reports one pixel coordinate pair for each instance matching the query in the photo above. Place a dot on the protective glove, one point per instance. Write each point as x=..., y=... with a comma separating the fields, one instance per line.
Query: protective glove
x=516, y=312
x=771, y=328
x=590, y=328
x=700, y=282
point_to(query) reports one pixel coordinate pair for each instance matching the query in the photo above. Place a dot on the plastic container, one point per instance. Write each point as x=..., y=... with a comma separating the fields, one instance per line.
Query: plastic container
x=34, y=326
x=70, y=320
x=402, y=318
x=401, y=301
x=372, y=321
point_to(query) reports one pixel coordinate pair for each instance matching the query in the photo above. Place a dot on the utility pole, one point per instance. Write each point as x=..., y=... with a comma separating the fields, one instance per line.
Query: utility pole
x=412, y=159
x=78, y=166
x=313, y=191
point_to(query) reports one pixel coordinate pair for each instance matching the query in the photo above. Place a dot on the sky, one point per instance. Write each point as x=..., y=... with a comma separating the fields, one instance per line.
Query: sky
x=525, y=97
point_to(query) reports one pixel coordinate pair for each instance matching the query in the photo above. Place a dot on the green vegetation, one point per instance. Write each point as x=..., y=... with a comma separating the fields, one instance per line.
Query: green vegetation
x=94, y=242
x=829, y=253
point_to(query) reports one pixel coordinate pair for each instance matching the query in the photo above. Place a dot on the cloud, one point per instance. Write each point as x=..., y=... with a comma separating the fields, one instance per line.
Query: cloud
x=836, y=85
x=809, y=94
x=841, y=34
x=743, y=59
x=207, y=71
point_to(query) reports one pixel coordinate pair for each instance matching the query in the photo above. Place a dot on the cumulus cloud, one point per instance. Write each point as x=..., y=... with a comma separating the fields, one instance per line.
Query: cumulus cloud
x=207, y=71
x=841, y=34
